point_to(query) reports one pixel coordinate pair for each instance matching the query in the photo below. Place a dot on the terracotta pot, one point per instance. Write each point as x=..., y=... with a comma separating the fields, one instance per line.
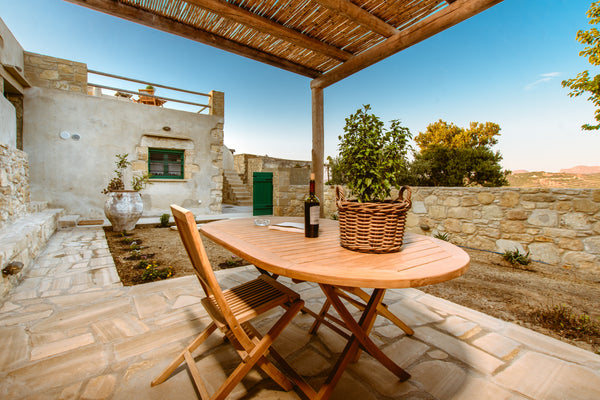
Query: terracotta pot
x=123, y=208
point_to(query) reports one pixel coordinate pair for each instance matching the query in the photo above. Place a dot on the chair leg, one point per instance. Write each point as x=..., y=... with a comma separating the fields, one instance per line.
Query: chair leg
x=293, y=375
x=257, y=352
x=275, y=374
x=181, y=357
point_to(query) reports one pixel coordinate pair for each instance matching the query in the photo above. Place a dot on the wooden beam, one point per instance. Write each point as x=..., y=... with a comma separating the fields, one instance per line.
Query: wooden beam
x=151, y=20
x=318, y=150
x=18, y=74
x=360, y=16
x=265, y=25
x=11, y=84
x=447, y=17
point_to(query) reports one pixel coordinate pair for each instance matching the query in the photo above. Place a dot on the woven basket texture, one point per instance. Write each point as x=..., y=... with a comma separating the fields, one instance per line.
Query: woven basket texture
x=373, y=227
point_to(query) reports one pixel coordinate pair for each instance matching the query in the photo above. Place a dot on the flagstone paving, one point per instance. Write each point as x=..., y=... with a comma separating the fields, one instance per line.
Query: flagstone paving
x=70, y=330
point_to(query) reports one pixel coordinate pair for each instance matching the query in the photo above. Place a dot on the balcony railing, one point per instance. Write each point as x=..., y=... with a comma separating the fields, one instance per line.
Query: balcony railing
x=181, y=101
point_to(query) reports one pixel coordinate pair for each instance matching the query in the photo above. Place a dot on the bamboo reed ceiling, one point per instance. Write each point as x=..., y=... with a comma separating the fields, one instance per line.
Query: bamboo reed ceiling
x=313, y=38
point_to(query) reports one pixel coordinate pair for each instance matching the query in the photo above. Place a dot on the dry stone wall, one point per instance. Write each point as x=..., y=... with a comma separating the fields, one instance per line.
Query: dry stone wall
x=55, y=73
x=560, y=227
x=14, y=184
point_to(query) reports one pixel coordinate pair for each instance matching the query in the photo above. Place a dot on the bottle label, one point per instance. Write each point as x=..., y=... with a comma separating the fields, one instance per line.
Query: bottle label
x=315, y=211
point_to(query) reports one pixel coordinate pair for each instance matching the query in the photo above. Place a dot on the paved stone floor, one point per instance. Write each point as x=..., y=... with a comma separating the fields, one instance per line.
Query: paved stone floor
x=70, y=330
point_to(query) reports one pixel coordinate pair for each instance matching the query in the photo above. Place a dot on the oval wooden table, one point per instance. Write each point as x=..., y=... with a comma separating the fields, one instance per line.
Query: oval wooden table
x=422, y=260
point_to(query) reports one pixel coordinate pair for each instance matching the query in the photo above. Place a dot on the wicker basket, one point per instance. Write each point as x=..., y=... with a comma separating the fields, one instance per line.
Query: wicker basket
x=372, y=227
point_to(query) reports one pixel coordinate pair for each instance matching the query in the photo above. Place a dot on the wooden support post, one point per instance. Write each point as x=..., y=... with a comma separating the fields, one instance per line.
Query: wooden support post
x=318, y=151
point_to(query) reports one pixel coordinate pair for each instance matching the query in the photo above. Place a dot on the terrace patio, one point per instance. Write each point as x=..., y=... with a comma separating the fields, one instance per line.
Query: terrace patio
x=71, y=330
x=74, y=331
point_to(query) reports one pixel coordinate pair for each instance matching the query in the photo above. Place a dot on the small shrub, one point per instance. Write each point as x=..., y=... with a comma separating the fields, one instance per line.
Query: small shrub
x=515, y=257
x=153, y=273
x=142, y=264
x=164, y=220
x=135, y=255
x=127, y=240
x=563, y=320
x=234, y=261
x=442, y=236
x=134, y=246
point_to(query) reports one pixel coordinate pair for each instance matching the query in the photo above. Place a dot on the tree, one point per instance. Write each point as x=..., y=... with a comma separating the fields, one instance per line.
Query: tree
x=583, y=82
x=454, y=156
x=337, y=175
x=449, y=135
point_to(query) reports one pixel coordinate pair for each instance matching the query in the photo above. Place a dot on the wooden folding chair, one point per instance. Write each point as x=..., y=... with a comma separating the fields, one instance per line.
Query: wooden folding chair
x=231, y=311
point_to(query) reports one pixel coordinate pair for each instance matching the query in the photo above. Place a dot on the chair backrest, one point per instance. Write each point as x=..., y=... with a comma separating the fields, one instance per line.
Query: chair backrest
x=188, y=231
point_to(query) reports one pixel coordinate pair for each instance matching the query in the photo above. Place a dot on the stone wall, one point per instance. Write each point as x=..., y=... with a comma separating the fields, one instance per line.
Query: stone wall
x=55, y=73
x=560, y=227
x=290, y=179
x=14, y=184
x=557, y=226
x=246, y=164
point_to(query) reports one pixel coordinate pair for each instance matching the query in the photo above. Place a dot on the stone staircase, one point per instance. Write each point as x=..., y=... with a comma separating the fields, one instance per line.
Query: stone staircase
x=234, y=190
x=23, y=240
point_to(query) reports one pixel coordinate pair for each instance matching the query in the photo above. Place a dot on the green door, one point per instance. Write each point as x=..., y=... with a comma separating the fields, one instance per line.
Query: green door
x=262, y=193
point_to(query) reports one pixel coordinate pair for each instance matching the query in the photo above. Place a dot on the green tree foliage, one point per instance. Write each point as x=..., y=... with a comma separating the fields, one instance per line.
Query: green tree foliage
x=336, y=174
x=584, y=82
x=454, y=156
x=373, y=158
x=449, y=135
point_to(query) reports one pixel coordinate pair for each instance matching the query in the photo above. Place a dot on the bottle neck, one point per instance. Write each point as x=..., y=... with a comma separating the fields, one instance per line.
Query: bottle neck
x=311, y=186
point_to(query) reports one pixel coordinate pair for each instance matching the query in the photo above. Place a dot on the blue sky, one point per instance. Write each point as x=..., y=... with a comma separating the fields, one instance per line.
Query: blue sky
x=504, y=65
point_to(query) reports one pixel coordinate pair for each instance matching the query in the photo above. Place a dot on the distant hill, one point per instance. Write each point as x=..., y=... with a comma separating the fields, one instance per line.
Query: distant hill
x=581, y=169
x=555, y=180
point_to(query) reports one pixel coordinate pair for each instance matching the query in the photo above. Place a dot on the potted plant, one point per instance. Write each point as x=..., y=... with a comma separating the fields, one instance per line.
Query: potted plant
x=123, y=208
x=373, y=160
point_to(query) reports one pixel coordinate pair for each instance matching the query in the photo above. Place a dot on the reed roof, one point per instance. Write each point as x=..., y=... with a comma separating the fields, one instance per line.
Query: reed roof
x=323, y=39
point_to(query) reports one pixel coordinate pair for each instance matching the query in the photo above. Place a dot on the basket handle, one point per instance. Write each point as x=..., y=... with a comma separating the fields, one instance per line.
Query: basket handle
x=340, y=197
x=408, y=195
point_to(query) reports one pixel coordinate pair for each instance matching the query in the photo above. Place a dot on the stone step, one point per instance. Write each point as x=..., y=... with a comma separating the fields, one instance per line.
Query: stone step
x=37, y=206
x=239, y=192
x=68, y=221
x=23, y=241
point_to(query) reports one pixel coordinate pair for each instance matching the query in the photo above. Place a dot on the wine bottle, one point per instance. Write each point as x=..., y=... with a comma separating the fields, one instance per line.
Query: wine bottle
x=312, y=211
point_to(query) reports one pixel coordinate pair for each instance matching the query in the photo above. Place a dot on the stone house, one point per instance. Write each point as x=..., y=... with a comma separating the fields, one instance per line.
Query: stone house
x=60, y=142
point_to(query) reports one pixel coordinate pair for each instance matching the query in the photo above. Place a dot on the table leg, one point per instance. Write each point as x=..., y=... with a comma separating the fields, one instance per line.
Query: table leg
x=359, y=337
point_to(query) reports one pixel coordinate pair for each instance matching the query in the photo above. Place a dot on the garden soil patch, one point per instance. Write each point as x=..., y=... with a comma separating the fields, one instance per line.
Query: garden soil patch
x=491, y=285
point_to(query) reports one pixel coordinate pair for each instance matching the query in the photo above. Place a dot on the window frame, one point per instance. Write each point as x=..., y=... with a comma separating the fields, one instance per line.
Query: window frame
x=165, y=163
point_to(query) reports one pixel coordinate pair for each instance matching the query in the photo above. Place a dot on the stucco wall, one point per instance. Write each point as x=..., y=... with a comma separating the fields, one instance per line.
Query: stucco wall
x=8, y=123
x=70, y=174
x=11, y=52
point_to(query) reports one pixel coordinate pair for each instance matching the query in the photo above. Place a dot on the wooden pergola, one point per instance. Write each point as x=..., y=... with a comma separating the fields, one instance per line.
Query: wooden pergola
x=326, y=40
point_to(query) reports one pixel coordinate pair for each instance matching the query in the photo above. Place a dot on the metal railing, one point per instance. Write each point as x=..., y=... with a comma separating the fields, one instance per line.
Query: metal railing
x=146, y=95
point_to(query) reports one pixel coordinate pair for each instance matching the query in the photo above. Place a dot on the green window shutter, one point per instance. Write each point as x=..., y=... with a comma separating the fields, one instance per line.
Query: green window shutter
x=165, y=163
